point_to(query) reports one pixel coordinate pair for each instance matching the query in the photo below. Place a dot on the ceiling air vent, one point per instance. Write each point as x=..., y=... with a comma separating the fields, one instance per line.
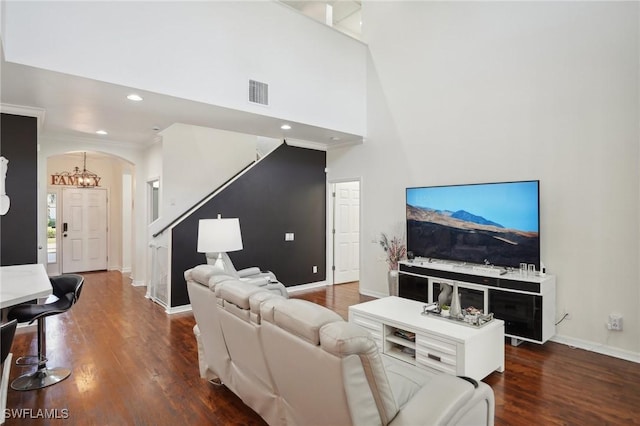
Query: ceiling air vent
x=258, y=92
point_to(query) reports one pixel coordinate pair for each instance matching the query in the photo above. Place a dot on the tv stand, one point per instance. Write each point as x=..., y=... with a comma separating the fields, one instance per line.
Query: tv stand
x=525, y=303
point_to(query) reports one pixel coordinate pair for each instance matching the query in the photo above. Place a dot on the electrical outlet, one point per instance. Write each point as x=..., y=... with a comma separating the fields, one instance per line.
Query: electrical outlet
x=315, y=269
x=615, y=322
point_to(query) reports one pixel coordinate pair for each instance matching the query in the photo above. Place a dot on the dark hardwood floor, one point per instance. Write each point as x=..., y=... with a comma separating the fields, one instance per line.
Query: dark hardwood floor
x=134, y=365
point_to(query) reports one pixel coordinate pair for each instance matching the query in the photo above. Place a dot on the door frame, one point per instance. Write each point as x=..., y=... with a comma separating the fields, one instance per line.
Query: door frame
x=330, y=225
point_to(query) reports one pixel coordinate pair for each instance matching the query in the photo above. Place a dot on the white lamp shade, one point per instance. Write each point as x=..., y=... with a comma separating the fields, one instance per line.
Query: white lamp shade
x=219, y=235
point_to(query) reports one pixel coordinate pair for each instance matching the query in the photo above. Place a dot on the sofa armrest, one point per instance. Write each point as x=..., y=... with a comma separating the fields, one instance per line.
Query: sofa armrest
x=246, y=272
x=448, y=400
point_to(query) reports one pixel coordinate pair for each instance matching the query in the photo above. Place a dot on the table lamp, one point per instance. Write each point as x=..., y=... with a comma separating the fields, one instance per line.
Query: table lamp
x=219, y=236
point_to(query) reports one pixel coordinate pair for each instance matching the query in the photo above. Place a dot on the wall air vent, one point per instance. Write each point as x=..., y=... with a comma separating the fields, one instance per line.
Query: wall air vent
x=258, y=92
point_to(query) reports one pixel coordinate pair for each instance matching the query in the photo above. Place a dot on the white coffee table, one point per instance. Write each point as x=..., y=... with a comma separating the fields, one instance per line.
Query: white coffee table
x=440, y=345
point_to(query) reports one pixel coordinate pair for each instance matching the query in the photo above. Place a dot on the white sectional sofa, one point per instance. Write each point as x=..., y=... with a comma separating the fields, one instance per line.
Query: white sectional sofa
x=298, y=363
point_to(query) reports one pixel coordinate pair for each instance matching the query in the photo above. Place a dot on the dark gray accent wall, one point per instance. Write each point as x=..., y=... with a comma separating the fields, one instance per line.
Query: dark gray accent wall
x=19, y=227
x=285, y=192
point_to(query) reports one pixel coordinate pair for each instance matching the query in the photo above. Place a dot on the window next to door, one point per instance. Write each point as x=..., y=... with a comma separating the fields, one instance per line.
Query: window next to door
x=153, y=194
x=52, y=241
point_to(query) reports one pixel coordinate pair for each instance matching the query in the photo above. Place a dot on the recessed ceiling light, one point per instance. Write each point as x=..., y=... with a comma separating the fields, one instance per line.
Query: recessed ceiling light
x=285, y=127
x=101, y=132
x=335, y=138
x=134, y=97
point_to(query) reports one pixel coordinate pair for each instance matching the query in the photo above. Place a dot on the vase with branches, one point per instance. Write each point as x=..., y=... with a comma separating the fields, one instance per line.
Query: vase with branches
x=395, y=250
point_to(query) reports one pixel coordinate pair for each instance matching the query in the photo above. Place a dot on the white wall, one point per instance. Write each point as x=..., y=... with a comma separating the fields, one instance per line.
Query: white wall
x=500, y=91
x=195, y=161
x=201, y=51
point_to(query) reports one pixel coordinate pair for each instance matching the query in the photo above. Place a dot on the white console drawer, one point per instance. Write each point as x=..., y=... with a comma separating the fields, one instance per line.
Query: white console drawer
x=436, y=345
x=436, y=360
x=436, y=354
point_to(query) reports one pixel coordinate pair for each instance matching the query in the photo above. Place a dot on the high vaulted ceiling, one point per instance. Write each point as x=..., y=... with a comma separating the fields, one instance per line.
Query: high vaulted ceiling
x=76, y=107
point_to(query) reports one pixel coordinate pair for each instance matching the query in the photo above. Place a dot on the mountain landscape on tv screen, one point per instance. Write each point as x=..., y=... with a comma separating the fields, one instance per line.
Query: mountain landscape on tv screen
x=463, y=236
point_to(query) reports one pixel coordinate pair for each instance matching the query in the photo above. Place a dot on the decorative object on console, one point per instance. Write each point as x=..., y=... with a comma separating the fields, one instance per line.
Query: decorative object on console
x=444, y=311
x=395, y=250
x=219, y=236
x=444, y=297
x=456, y=308
x=476, y=320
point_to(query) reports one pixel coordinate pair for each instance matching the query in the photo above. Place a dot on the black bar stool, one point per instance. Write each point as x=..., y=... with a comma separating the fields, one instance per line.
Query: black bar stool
x=67, y=289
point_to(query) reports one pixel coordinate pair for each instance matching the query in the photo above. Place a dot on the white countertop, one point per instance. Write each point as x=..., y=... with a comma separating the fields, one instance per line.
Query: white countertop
x=21, y=283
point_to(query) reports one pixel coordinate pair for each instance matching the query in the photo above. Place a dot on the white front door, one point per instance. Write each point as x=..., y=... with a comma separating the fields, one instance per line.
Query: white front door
x=84, y=229
x=346, y=232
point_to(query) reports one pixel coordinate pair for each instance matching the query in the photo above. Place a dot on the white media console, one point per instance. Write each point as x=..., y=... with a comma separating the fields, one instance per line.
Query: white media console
x=526, y=303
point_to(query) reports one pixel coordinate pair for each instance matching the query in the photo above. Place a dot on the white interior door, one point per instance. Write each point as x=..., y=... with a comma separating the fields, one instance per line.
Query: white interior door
x=84, y=229
x=346, y=225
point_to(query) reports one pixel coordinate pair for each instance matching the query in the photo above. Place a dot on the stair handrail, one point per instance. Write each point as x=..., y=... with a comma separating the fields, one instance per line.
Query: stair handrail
x=187, y=211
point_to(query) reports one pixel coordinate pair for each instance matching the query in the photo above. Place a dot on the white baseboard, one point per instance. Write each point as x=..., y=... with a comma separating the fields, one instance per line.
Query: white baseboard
x=123, y=271
x=309, y=286
x=370, y=293
x=138, y=283
x=178, y=309
x=597, y=347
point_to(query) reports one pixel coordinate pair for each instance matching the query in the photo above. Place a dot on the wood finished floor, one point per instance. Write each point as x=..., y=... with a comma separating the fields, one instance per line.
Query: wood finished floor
x=134, y=365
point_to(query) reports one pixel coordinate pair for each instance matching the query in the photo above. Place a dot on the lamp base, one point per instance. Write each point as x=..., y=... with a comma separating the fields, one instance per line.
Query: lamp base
x=218, y=264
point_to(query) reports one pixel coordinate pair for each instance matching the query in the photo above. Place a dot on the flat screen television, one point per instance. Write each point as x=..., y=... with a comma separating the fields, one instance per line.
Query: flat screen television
x=494, y=223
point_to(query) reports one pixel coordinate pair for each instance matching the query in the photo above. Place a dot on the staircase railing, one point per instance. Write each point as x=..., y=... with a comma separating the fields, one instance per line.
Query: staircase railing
x=187, y=211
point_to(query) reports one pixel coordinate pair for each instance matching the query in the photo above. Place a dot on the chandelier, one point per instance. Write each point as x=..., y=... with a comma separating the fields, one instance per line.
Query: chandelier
x=80, y=178
x=85, y=178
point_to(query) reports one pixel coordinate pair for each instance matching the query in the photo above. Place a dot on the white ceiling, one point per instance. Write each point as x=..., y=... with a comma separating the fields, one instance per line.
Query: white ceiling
x=77, y=107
